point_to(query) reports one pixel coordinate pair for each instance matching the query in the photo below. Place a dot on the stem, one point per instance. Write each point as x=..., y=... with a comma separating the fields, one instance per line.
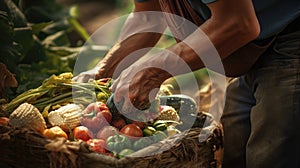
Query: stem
x=12, y=105
x=60, y=97
x=80, y=30
x=42, y=106
x=78, y=87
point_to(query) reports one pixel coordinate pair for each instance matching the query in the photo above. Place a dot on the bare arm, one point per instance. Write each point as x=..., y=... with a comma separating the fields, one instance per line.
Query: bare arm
x=127, y=45
x=232, y=25
x=134, y=36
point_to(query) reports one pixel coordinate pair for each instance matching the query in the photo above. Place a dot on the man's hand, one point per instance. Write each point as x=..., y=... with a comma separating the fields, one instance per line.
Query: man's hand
x=136, y=87
x=87, y=75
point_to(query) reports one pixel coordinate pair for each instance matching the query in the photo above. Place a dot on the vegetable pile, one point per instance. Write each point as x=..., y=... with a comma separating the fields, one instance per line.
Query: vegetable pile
x=61, y=90
x=62, y=108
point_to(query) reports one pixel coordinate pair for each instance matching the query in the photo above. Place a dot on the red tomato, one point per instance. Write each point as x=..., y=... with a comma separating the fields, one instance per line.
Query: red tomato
x=83, y=133
x=106, y=132
x=97, y=145
x=132, y=130
x=118, y=123
x=4, y=121
x=139, y=124
x=106, y=114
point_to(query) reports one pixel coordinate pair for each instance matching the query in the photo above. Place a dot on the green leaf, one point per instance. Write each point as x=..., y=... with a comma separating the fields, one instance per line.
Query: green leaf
x=6, y=28
x=24, y=37
x=58, y=39
x=62, y=25
x=14, y=12
x=42, y=10
x=64, y=51
x=36, y=53
x=38, y=27
x=10, y=56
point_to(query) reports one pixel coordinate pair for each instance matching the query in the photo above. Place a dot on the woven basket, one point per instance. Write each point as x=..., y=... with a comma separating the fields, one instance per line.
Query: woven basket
x=26, y=148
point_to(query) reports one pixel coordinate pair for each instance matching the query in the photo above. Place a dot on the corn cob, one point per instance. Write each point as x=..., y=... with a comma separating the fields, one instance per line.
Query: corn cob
x=67, y=117
x=27, y=116
x=168, y=113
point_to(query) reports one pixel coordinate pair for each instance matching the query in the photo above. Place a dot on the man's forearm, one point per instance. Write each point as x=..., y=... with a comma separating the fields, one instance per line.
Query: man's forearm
x=141, y=30
x=124, y=48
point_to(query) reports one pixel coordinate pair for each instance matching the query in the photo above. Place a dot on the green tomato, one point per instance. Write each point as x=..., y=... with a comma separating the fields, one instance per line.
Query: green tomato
x=148, y=131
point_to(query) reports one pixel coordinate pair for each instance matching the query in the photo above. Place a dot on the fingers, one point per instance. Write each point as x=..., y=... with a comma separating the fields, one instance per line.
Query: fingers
x=114, y=85
x=132, y=99
x=135, y=90
x=123, y=98
x=81, y=78
x=85, y=76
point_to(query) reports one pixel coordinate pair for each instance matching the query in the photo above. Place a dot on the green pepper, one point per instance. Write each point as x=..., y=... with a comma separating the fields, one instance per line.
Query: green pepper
x=125, y=152
x=159, y=136
x=148, y=131
x=117, y=143
x=142, y=143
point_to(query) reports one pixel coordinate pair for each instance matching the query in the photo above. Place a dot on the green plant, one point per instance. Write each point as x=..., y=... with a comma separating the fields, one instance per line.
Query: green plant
x=35, y=41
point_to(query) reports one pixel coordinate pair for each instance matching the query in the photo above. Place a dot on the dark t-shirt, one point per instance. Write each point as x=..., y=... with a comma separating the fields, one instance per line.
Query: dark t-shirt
x=273, y=15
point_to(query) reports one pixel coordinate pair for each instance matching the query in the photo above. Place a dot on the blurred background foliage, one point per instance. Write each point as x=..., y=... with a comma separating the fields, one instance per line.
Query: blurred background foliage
x=44, y=37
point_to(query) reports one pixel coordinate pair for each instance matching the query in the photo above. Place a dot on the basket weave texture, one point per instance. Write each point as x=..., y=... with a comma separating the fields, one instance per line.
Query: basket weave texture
x=26, y=148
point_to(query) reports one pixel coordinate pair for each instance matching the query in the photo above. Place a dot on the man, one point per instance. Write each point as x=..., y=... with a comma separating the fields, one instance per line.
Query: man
x=261, y=114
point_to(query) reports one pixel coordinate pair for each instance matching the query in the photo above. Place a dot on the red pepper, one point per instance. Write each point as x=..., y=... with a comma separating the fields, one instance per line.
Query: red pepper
x=96, y=107
x=97, y=115
x=118, y=123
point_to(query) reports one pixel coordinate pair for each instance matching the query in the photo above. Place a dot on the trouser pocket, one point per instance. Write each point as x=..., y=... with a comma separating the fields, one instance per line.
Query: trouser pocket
x=288, y=45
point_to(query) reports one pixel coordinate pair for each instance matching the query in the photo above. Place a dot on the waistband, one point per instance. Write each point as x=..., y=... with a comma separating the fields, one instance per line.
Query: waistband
x=292, y=27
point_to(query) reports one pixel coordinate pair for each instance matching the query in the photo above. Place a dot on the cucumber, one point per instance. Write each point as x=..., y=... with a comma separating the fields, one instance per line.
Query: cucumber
x=179, y=102
x=112, y=107
x=153, y=107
